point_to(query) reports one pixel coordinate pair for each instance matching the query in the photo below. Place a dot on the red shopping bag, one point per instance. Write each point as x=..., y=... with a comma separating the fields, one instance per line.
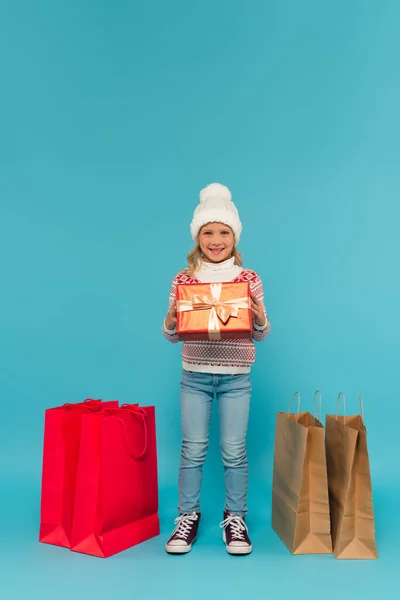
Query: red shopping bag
x=62, y=431
x=116, y=501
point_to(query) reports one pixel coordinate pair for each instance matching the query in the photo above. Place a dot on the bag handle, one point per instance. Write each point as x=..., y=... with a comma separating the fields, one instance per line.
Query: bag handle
x=298, y=404
x=361, y=409
x=89, y=403
x=318, y=392
x=342, y=396
x=140, y=414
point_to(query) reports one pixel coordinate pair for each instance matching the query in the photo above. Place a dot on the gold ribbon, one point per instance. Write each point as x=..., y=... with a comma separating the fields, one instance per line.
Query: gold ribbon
x=219, y=311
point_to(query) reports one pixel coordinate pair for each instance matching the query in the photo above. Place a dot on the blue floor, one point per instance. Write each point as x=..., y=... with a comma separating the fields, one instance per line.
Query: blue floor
x=33, y=570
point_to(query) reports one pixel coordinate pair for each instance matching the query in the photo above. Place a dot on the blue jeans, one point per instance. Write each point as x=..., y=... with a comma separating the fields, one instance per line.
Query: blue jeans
x=233, y=397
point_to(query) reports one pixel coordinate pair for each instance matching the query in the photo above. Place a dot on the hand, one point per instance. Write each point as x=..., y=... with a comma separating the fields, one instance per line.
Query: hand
x=257, y=312
x=170, y=319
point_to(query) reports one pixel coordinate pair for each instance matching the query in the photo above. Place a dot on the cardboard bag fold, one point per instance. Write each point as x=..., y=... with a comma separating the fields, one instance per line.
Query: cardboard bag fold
x=300, y=506
x=350, y=487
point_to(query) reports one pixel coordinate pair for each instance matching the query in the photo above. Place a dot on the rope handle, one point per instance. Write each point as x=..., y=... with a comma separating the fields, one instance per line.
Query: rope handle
x=298, y=404
x=342, y=396
x=89, y=403
x=361, y=409
x=318, y=392
x=139, y=413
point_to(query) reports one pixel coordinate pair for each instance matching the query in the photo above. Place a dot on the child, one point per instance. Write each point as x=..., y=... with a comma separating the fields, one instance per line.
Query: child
x=220, y=368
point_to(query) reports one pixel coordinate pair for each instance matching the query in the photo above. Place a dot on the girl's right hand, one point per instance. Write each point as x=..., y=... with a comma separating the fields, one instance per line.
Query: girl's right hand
x=170, y=319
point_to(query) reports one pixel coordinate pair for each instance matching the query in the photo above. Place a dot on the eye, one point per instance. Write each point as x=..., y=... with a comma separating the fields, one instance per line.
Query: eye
x=225, y=232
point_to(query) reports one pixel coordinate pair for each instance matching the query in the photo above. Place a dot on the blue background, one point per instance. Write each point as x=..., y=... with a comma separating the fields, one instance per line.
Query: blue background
x=113, y=116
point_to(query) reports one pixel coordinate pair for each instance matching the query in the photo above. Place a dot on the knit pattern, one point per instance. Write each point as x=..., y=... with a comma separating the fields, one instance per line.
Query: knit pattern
x=229, y=354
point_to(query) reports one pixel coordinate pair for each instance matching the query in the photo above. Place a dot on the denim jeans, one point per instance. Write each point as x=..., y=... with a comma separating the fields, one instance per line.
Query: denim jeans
x=233, y=397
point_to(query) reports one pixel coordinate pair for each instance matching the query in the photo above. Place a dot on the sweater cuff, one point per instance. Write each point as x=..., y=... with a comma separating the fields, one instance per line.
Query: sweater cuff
x=260, y=327
x=169, y=331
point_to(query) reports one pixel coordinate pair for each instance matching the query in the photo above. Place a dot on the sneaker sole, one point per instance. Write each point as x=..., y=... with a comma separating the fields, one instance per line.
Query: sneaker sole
x=236, y=550
x=179, y=549
x=239, y=550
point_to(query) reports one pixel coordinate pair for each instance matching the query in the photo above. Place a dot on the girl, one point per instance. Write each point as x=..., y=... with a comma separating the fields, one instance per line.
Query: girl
x=220, y=368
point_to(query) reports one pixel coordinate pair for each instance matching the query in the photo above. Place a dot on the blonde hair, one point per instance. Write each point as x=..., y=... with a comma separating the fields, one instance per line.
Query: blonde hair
x=194, y=259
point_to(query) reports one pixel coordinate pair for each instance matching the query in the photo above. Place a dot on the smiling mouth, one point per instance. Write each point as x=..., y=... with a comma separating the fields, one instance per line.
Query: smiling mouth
x=216, y=250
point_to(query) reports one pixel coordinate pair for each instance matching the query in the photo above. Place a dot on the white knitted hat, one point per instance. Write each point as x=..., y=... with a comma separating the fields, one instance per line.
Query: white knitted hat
x=216, y=206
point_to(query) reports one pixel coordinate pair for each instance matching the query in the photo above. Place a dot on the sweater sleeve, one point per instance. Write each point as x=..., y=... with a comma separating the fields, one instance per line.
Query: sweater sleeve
x=171, y=334
x=256, y=288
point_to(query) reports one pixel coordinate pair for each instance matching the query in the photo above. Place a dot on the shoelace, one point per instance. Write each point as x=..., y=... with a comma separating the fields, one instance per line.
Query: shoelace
x=184, y=524
x=237, y=525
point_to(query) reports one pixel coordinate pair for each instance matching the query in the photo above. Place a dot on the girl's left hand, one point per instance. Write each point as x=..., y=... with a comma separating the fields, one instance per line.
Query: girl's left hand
x=257, y=312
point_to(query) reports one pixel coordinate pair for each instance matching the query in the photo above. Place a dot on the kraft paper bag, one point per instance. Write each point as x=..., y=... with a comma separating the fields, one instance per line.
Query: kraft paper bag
x=350, y=487
x=300, y=504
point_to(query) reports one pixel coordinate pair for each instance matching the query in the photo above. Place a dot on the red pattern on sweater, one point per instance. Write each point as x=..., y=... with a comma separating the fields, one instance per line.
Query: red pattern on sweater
x=230, y=354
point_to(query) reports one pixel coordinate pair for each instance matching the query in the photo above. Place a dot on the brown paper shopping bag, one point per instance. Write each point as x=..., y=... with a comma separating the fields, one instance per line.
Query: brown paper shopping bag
x=300, y=505
x=350, y=488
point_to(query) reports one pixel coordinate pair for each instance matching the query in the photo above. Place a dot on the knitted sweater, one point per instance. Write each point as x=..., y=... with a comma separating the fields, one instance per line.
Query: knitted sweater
x=220, y=356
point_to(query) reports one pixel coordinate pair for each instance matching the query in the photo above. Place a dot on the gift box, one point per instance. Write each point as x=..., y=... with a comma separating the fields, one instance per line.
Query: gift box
x=214, y=311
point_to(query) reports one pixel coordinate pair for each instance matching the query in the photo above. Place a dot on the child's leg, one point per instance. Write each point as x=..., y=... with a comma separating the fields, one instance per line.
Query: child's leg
x=196, y=402
x=233, y=406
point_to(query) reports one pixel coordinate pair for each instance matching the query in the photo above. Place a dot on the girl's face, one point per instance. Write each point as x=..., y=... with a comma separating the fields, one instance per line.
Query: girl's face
x=216, y=241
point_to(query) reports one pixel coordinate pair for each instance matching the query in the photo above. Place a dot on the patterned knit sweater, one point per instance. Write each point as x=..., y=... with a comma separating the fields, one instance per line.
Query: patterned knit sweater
x=220, y=356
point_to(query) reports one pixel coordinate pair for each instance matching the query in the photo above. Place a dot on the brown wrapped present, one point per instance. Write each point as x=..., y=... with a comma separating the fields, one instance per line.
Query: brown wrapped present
x=214, y=311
